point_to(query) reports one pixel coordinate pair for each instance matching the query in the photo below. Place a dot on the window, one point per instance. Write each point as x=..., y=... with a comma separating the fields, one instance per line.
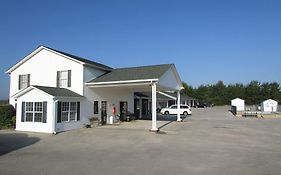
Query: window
x=38, y=111
x=34, y=111
x=96, y=107
x=68, y=111
x=64, y=111
x=24, y=81
x=29, y=111
x=64, y=78
x=73, y=111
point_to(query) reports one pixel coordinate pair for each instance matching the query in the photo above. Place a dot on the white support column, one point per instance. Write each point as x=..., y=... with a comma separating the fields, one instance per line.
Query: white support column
x=178, y=104
x=154, y=117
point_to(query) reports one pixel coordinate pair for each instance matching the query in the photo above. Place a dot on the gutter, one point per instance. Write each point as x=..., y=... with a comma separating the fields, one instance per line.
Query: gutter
x=122, y=82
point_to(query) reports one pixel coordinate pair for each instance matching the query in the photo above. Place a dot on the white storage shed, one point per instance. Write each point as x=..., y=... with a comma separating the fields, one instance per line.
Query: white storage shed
x=238, y=103
x=269, y=105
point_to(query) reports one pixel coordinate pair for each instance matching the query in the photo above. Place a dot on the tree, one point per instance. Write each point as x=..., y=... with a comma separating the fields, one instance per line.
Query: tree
x=236, y=90
x=220, y=94
x=188, y=90
x=253, y=93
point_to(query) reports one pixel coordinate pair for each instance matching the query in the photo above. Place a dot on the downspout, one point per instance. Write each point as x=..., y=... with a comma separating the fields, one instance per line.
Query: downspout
x=54, y=117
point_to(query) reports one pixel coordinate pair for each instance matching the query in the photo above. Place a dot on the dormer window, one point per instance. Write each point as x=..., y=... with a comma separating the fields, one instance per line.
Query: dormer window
x=64, y=78
x=24, y=81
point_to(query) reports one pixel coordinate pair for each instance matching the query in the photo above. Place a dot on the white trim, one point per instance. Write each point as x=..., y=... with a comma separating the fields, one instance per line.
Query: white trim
x=120, y=85
x=24, y=60
x=123, y=82
x=50, y=50
x=175, y=72
x=28, y=89
x=34, y=53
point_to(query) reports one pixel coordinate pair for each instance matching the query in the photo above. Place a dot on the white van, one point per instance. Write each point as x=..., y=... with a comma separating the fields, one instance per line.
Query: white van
x=184, y=109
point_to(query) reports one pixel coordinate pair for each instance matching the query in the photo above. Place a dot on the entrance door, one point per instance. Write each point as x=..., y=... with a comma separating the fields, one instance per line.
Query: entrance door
x=137, y=108
x=123, y=110
x=103, y=112
x=144, y=107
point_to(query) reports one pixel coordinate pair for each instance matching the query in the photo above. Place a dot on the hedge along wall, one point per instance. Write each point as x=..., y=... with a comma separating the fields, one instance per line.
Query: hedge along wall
x=7, y=116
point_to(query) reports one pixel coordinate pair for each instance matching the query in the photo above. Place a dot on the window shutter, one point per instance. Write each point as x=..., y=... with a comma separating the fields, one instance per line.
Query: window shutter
x=28, y=80
x=69, y=78
x=22, y=111
x=44, y=112
x=78, y=111
x=58, y=78
x=59, y=112
x=19, y=82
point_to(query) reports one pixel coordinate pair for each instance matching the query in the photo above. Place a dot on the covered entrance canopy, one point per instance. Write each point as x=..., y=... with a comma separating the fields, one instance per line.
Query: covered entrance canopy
x=140, y=79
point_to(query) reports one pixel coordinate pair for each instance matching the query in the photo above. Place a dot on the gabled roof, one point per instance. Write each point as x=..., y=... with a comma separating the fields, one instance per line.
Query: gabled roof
x=67, y=55
x=58, y=92
x=86, y=61
x=153, y=72
x=52, y=91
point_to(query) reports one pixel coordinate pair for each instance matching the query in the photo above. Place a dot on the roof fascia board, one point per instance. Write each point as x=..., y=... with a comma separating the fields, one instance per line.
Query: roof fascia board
x=175, y=72
x=24, y=91
x=67, y=98
x=60, y=54
x=123, y=82
x=119, y=85
x=24, y=59
x=34, y=53
x=75, y=60
x=97, y=67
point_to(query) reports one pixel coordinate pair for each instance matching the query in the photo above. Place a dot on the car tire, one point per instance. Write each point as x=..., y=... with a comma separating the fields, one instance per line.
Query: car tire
x=166, y=113
x=185, y=113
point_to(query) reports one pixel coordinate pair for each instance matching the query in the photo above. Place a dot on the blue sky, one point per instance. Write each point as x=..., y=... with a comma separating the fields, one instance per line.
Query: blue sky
x=229, y=40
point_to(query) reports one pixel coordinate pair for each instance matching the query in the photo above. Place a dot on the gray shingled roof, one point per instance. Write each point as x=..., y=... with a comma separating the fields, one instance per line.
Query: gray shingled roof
x=133, y=73
x=99, y=65
x=57, y=92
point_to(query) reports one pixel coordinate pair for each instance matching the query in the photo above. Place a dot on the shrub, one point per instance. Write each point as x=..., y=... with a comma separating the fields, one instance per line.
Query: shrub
x=7, y=116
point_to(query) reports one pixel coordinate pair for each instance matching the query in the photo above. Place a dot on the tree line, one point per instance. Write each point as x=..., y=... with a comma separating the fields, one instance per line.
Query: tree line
x=221, y=94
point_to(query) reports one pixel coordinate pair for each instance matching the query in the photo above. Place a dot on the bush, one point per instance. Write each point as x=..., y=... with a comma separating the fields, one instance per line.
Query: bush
x=7, y=116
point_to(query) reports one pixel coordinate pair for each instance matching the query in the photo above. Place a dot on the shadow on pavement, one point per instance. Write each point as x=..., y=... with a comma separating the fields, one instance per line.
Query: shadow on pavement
x=164, y=117
x=14, y=141
x=169, y=118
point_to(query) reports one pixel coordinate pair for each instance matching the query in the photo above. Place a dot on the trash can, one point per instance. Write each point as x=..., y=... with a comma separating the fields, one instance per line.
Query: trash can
x=109, y=120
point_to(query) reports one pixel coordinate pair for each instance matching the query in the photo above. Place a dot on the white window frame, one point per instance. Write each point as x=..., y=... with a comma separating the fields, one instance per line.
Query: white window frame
x=23, y=82
x=68, y=111
x=63, y=79
x=33, y=111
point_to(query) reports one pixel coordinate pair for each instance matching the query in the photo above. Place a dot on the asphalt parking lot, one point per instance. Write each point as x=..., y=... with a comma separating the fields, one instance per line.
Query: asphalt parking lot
x=211, y=141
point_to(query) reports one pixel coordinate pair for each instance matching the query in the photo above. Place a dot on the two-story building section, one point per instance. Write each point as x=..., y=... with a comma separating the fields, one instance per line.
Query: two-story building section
x=54, y=91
